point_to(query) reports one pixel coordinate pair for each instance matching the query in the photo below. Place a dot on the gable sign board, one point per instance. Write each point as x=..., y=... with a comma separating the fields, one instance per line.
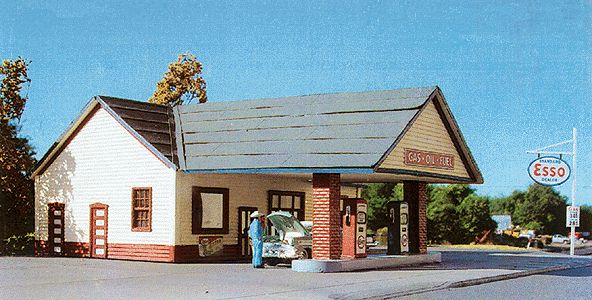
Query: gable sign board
x=414, y=157
x=548, y=170
x=573, y=216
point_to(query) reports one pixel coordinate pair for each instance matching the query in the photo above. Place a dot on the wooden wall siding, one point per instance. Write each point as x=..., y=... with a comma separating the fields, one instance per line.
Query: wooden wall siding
x=101, y=164
x=428, y=133
x=244, y=190
x=149, y=252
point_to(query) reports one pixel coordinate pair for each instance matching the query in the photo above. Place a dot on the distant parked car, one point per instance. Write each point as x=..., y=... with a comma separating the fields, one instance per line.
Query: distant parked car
x=560, y=239
x=529, y=234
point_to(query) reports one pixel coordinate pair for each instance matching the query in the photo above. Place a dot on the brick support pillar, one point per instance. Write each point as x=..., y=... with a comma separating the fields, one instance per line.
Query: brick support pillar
x=326, y=238
x=415, y=193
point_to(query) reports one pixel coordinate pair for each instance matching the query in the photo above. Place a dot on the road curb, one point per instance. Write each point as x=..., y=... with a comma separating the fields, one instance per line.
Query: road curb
x=484, y=280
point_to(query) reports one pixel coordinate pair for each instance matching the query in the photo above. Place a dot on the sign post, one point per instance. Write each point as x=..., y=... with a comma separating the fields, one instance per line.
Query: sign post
x=551, y=171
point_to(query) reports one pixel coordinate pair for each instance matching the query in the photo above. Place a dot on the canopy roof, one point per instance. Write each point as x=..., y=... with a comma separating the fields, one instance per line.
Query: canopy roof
x=344, y=131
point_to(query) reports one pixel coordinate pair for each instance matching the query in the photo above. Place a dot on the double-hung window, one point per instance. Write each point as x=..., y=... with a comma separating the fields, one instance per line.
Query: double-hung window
x=142, y=209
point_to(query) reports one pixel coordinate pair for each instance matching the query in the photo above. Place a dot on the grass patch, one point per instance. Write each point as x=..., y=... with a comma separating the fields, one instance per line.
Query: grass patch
x=485, y=247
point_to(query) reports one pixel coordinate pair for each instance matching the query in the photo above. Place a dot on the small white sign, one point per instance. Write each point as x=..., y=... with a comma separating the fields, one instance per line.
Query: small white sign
x=572, y=217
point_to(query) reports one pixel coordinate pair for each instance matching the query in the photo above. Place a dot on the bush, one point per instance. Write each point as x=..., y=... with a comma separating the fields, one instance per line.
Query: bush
x=382, y=236
x=503, y=239
x=18, y=245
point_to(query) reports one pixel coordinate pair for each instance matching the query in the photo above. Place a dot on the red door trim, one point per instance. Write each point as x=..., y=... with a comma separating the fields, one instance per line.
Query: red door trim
x=92, y=225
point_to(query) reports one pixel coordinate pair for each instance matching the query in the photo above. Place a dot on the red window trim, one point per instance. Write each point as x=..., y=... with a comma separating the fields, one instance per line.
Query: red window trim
x=133, y=209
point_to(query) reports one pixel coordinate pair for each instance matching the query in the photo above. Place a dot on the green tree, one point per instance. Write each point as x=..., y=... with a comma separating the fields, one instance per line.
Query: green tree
x=507, y=205
x=453, y=193
x=585, y=218
x=16, y=155
x=474, y=217
x=456, y=215
x=377, y=195
x=442, y=212
x=443, y=222
x=542, y=207
x=181, y=83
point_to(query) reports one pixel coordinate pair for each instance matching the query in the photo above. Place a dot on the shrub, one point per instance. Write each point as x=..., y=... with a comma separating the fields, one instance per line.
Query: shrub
x=18, y=245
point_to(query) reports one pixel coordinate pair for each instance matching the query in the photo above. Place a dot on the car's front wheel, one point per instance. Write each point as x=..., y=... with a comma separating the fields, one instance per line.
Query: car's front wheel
x=304, y=254
x=272, y=262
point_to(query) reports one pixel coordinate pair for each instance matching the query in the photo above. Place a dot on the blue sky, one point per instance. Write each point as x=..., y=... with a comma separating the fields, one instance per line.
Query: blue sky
x=516, y=75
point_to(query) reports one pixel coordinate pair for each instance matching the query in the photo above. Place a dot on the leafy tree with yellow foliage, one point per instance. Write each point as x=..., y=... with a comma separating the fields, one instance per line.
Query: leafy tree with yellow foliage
x=181, y=83
x=16, y=155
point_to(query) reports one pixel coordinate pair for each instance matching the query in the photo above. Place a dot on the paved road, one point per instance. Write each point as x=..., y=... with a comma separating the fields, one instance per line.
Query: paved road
x=567, y=284
x=68, y=278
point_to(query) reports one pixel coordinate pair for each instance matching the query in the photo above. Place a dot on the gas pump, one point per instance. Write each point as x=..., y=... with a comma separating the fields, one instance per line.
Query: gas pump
x=398, y=228
x=354, y=218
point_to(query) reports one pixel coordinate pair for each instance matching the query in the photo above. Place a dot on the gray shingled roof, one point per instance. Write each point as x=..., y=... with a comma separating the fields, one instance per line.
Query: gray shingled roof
x=344, y=130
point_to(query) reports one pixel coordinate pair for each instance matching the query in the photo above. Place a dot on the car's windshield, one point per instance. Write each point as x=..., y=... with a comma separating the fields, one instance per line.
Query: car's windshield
x=286, y=222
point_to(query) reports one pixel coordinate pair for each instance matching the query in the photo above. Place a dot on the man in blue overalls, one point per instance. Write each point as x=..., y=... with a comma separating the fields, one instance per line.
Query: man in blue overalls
x=256, y=235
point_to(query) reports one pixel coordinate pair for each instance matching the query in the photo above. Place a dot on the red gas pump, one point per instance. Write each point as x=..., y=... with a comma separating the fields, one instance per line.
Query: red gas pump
x=354, y=228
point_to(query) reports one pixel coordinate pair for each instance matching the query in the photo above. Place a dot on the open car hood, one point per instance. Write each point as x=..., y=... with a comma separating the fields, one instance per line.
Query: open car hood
x=285, y=222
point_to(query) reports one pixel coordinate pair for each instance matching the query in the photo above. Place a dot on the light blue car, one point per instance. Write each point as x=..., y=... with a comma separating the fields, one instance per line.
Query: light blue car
x=288, y=240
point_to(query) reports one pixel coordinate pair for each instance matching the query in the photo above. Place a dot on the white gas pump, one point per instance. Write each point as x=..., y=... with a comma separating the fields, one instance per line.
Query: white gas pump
x=404, y=216
x=362, y=210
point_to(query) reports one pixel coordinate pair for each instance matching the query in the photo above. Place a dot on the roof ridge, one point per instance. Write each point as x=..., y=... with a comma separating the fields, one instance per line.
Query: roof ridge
x=129, y=100
x=429, y=88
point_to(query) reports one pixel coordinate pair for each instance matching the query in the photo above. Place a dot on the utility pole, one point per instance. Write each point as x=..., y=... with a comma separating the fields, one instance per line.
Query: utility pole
x=573, y=192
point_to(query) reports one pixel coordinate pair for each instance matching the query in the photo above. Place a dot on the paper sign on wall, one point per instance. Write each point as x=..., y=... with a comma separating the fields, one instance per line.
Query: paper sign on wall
x=210, y=246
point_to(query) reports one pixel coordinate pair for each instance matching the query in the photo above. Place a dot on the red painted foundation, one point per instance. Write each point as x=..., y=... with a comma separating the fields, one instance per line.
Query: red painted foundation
x=143, y=252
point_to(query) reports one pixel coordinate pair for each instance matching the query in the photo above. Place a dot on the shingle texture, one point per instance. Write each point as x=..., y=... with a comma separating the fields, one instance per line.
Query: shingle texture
x=344, y=130
x=153, y=122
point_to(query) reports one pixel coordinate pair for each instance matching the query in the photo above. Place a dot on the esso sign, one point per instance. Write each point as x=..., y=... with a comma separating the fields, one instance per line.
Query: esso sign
x=549, y=170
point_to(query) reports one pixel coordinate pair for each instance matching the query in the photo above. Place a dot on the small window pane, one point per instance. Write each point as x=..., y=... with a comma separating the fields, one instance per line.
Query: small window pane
x=100, y=222
x=57, y=221
x=100, y=213
x=100, y=251
x=275, y=201
x=57, y=212
x=57, y=231
x=57, y=249
x=57, y=240
x=286, y=202
x=297, y=202
x=100, y=242
x=100, y=232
